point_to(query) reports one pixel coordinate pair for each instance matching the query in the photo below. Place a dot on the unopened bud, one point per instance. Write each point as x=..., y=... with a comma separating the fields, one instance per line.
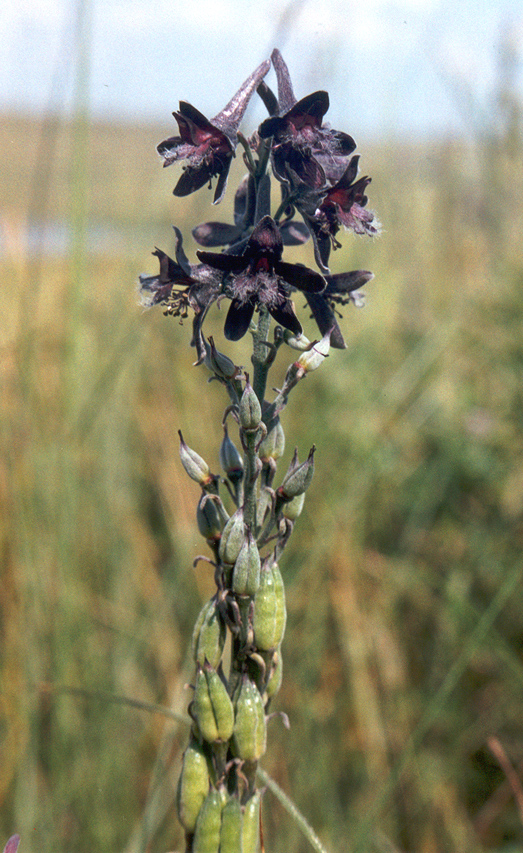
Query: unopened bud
x=250, y=409
x=195, y=466
x=299, y=342
x=230, y=459
x=297, y=478
x=315, y=355
x=246, y=571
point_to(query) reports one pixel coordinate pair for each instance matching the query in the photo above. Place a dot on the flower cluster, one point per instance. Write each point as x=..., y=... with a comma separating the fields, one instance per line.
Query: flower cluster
x=316, y=170
x=218, y=801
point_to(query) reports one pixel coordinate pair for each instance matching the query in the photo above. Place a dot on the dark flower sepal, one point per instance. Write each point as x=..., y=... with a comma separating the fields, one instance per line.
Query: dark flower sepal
x=260, y=279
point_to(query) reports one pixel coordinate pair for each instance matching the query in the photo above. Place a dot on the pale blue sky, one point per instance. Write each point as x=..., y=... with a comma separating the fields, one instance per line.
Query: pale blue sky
x=390, y=66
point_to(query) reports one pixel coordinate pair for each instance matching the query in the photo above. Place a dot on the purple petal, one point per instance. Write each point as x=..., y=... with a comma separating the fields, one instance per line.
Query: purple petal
x=346, y=282
x=223, y=262
x=301, y=277
x=325, y=319
x=284, y=314
x=192, y=179
x=216, y=233
x=294, y=233
x=314, y=106
x=238, y=319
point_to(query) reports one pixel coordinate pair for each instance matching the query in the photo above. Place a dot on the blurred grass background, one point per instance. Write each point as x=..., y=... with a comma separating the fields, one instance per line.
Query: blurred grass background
x=403, y=654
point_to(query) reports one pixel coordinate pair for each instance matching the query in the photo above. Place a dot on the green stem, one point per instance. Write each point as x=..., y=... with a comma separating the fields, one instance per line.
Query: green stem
x=291, y=809
x=249, y=480
x=259, y=355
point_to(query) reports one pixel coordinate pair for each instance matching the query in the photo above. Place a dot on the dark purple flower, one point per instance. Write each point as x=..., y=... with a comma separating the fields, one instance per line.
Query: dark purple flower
x=208, y=146
x=344, y=204
x=260, y=279
x=341, y=289
x=300, y=139
x=180, y=286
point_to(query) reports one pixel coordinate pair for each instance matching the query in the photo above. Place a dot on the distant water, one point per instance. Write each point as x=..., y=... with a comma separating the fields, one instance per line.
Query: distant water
x=55, y=239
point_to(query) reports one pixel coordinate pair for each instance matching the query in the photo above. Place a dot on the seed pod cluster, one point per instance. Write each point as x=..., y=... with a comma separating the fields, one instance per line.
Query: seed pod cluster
x=217, y=799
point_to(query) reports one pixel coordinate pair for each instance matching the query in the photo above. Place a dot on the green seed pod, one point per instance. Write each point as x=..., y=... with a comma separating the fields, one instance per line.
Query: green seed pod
x=209, y=635
x=270, y=612
x=219, y=363
x=231, y=831
x=193, y=785
x=212, y=707
x=246, y=572
x=221, y=704
x=230, y=459
x=209, y=517
x=297, y=478
x=251, y=824
x=233, y=537
x=273, y=445
x=293, y=508
x=207, y=833
x=250, y=409
x=250, y=734
x=275, y=675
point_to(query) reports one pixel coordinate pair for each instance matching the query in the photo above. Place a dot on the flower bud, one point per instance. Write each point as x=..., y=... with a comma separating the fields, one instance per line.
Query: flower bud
x=250, y=731
x=299, y=342
x=212, y=706
x=270, y=613
x=231, y=829
x=233, y=537
x=251, y=824
x=298, y=477
x=230, y=459
x=315, y=355
x=250, y=409
x=195, y=466
x=208, y=826
x=246, y=571
x=193, y=785
x=209, y=635
x=273, y=445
